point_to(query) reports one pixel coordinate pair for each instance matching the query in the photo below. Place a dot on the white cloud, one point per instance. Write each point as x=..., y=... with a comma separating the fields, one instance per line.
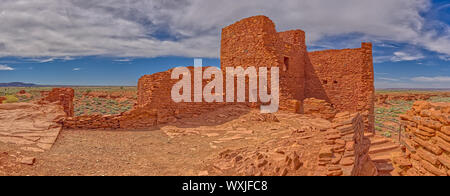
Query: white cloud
x=388, y=79
x=444, y=57
x=403, y=56
x=381, y=59
x=150, y=28
x=76, y=69
x=6, y=68
x=51, y=59
x=123, y=60
x=431, y=79
x=46, y=60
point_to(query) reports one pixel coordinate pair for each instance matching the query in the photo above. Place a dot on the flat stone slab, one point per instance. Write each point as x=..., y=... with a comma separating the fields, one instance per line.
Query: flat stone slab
x=32, y=127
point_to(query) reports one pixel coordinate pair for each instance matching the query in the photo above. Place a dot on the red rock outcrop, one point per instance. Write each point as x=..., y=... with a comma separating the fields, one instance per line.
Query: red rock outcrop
x=2, y=99
x=34, y=127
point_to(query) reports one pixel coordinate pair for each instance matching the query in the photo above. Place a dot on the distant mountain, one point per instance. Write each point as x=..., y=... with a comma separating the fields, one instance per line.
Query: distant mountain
x=17, y=84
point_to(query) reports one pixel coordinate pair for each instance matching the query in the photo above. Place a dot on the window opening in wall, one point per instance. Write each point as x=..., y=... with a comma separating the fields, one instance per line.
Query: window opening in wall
x=286, y=63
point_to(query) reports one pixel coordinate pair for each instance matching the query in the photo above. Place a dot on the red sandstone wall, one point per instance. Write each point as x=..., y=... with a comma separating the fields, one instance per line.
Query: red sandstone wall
x=62, y=95
x=254, y=42
x=135, y=119
x=249, y=42
x=427, y=141
x=154, y=92
x=344, y=78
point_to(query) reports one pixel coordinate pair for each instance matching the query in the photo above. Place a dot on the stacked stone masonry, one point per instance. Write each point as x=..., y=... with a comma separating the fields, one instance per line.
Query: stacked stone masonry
x=62, y=95
x=134, y=119
x=343, y=78
x=427, y=141
x=346, y=149
x=318, y=148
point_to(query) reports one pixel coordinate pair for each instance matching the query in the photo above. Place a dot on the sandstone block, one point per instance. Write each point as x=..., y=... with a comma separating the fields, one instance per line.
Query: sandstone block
x=432, y=169
x=430, y=157
x=428, y=145
x=444, y=160
x=446, y=130
x=335, y=173
x=27, y=160
x=443, y=136
x=347, y=161
x=443, y=144
x=427, y=130
x=402, y=162
x=406, y=118
x=326, y=152
x=430, y=123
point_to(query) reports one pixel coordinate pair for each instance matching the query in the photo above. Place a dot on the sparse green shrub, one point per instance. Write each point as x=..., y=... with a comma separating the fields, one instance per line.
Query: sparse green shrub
x=11, y=99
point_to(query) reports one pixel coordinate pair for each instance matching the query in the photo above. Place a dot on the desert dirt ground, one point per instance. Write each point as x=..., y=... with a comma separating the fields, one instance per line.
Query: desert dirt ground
x=180, y=148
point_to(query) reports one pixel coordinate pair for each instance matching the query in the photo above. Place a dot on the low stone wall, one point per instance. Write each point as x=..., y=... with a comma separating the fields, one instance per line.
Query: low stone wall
x=427, y=142
x=346, y=149
x=135, y=119
x=62, y=95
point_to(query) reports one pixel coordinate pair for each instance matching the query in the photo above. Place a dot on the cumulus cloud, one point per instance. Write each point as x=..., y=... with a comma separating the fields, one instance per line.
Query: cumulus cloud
x=432, y=79
x=444, y=57
x=388, y=79
x=6, y=68
x=150, y=28
x=403, y=56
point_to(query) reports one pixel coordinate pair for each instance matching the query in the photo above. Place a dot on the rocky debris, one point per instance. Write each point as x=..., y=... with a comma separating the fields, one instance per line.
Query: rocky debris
x=264, y=117
x=33, y=127
x=281, y=158
x=306, y=151
x=9, y=164
x=383, y=99
x=427, y=142
x=27, y=160
x=318, y=108
x=203, y=173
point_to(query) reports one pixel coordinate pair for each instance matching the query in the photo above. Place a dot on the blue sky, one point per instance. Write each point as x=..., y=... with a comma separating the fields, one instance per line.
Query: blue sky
x=114, y=42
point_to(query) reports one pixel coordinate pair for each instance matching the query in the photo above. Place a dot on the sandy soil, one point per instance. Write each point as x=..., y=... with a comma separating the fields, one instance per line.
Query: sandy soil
x=180, y=148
